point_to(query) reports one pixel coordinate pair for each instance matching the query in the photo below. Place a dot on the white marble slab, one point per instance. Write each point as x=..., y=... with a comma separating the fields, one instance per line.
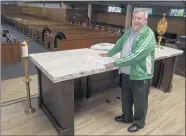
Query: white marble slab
x=69, y=64
x=65, y=65
x=166, y=52
x=159, y=53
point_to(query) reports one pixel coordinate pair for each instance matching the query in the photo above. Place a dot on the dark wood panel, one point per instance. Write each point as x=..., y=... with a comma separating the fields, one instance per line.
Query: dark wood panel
x=158, y=69
x=58, y=103
x=119, y=19
x=180, y=68
x=12, y=9
x=102, y=85
x=77, y=88
x=102, y=81
x=168, y=73
x=105, y=75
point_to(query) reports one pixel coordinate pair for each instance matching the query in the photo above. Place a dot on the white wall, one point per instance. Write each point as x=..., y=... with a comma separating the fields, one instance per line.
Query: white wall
x=78, y=6
x=47, y=5
x=35, y=4
x=21, y=3
x=52, y=5
x=8, y=2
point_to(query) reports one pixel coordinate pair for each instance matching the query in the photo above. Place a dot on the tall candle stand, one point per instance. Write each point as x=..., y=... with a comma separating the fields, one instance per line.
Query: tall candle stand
x=29, y=109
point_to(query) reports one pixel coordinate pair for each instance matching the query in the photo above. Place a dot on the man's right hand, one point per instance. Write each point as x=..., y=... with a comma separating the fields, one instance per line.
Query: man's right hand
x=103, y=54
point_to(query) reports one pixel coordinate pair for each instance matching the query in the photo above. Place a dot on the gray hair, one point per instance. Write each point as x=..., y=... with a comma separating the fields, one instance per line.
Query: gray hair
x=141, y=10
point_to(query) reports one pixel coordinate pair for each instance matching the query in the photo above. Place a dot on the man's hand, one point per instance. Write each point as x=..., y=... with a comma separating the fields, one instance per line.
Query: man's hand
x=103, y=55
x=109, y=65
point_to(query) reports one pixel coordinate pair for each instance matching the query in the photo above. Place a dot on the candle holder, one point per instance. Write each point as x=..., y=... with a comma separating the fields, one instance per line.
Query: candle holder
x=29, y=109
x=161, y=29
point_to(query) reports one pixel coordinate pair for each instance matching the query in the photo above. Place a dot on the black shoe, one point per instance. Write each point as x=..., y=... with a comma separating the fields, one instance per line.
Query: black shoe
x=134, y=128
x=121, y=119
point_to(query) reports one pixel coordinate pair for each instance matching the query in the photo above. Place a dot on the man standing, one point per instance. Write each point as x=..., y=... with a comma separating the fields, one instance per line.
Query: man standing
x=45, y=30
x=137, y=46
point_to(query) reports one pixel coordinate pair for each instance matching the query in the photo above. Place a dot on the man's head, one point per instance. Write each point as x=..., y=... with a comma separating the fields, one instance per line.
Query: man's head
x=45, y=26
x=139, y=19
x=59, y=30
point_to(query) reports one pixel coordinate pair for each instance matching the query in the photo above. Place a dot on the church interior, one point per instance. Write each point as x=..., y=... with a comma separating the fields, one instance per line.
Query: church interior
x=53, y=81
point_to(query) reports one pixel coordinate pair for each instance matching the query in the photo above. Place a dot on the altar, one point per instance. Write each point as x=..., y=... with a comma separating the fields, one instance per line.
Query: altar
x=65, y=75
x=180, y=44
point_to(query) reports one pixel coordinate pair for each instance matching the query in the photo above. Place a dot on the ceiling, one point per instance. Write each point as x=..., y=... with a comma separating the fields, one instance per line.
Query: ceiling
x=180, y=4
x=176, y=4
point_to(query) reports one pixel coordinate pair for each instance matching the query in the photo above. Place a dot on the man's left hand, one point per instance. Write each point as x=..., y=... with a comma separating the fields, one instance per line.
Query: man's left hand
x=109, y=65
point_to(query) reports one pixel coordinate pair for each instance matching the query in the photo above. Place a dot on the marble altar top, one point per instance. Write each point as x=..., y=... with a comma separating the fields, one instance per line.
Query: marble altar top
x=166, y=52
x=69, y=64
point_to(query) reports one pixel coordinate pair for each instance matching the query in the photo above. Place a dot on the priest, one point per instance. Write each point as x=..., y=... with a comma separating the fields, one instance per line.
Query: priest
x=136, y=64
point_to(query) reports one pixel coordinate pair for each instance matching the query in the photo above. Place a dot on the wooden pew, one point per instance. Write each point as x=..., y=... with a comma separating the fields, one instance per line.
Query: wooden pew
x=31, y=28
x=10, y=52
x=78, y=40
x=67, y=28
x=7, y=19
x=49, y=38
x=22, y=22
x=25, y=25
x=36, y=31
x=19, y=20
x=85, y=41
x=64, y=28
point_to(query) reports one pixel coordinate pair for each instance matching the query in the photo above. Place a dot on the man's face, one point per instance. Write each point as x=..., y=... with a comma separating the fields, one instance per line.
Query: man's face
x=138, y=21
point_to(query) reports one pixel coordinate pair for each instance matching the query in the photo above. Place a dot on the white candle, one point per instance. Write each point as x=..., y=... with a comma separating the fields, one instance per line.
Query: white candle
x=24, y=49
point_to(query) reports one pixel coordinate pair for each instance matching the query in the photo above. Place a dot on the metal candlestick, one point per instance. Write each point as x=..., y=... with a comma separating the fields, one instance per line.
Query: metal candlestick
x=29, y=109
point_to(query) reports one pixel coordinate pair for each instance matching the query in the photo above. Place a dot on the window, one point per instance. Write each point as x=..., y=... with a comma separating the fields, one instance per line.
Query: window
x=114, y=9
x=149, y=10
x=177, y=12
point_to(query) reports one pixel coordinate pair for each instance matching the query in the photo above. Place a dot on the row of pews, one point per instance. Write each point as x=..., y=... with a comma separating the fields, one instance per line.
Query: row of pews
x=77, y=35
x=21, y=22
x=10, y=50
